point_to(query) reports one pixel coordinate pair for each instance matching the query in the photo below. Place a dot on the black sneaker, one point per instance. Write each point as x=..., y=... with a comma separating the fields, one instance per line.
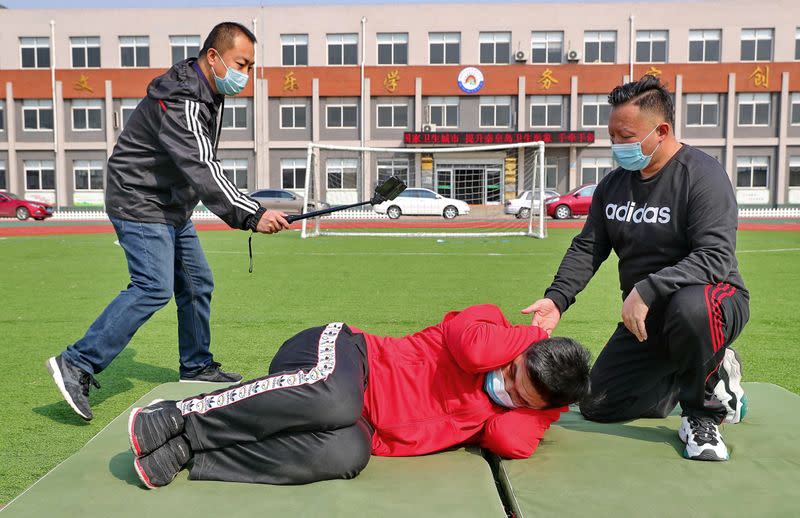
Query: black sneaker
x=151, y=426
x=73, y=384
x=212, y=374
x=162, y=465
x=726, y=386
x=702, y=438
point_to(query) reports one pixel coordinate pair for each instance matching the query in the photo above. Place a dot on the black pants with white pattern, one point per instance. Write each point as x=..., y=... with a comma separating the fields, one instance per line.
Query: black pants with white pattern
x=686, y=341
x=302, y=423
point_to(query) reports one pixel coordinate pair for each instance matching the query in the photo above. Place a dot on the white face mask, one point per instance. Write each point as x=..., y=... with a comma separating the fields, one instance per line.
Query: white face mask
x=495, y=387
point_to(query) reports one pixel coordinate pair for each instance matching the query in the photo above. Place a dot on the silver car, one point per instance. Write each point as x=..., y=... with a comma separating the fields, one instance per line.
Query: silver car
x=285, y=201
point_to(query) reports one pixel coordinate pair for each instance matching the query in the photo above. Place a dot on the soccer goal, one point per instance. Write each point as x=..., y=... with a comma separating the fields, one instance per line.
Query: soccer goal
x=452, y=192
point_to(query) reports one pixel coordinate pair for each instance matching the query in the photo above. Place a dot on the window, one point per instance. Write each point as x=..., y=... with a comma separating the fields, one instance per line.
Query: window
x=40, y=175
x=797, y=43
x=134, y=51
x=35, y=52
x=85, y=51
x=392, y=116
x=294, y=49
x=2, y=115
x=443, y=111
x=88, y=175
x=236, y=171
x=547, y=47
x=794, y=171
x=37, y=114
x=342, y=173
x=342, y=49
x=293, y=173
x=127, y=107
x=184, y=47
x=293, y=116
x=651, y=46
x=3, y=181
x=752, y=171
x=495, y=47
x=594, y=169
x=393, y=167
x=550, y=175
x=704, y=44
x=87, y=114
x=754, y=109
x=546, y=111
x=342, y=116
x=495, y=111
x=595, y=110
x=444, y=48
x=393, y=48
x=234, y=116
x=795, y=116
x=756, y=44
x=702, y=109
x=600, y=47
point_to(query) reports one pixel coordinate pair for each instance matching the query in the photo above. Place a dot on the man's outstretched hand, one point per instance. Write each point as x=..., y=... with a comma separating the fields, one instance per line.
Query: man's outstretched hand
x=634, y=311
x=545, y=314
x=272, y=221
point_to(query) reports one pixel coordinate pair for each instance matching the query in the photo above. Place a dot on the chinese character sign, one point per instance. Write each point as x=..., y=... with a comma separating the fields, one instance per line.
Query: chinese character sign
x=547, y=79
x=290, y=82
x=760, y=77
x=82, y=84
x=391, y=80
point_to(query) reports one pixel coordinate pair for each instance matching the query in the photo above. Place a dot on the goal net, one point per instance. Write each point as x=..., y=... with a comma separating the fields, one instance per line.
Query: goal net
x=478, y=191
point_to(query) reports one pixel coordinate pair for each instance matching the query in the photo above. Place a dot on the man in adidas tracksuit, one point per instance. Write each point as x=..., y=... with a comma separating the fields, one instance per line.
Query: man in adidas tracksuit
x=163, y=164
x=670, y=215
x=335, y=395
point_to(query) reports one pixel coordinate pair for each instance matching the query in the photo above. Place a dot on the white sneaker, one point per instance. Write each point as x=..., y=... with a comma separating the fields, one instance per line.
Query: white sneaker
x=727, y=386
x=702, y=438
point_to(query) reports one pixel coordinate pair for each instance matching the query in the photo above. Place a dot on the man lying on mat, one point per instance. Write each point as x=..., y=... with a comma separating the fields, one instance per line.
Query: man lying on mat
x=335, y=395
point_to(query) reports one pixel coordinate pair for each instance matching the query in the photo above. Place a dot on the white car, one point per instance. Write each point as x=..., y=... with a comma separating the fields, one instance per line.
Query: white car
x=422, y=202
x=521, y=205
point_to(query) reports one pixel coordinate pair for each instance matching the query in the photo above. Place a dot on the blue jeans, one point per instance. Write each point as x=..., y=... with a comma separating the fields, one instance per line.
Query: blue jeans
x=162, y=260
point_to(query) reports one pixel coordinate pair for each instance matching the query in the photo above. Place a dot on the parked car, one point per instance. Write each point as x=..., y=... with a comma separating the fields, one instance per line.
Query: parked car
x=12, y=206
x=422, y=202
x=521, y=205
x=575, y=203
x=285, y=201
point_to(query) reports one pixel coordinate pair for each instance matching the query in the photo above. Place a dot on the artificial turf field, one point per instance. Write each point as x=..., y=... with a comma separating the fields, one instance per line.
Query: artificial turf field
x=54, y=286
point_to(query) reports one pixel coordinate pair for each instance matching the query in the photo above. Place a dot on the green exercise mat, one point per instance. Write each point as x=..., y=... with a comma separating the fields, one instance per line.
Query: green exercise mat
x=99, y=480
x=635, y=469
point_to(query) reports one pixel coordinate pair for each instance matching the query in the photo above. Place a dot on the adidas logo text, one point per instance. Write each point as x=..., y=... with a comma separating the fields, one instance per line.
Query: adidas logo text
x=644, y=214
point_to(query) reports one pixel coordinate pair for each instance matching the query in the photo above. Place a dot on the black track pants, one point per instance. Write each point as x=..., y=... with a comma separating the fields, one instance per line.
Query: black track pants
x=301, y=423
x=686, y=342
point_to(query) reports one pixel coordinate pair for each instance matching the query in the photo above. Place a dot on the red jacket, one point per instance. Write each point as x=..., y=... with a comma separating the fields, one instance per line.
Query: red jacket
x=425, y=391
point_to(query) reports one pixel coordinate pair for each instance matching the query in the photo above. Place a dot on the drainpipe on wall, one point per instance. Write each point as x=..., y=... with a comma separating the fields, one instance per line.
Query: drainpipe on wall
x=363, y=121
x=55, y=107
x=632, y=37
x=256, y=118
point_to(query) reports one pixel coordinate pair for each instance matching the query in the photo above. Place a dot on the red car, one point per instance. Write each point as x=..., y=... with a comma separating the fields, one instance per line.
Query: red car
x=575, y=203
x=12, y=206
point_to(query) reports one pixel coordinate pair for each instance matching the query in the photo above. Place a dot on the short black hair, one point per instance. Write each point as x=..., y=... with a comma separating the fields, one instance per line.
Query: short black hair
x=559, y=370
x=222, y=35
x=648, y=93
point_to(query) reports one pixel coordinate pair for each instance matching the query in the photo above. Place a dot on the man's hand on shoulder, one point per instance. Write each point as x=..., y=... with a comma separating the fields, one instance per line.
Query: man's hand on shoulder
x=271, y=222
x=545, y=314
x=634, y=311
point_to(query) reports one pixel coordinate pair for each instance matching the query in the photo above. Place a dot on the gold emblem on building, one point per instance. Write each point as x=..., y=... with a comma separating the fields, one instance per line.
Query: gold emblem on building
x=391, y=81
x=653, y=71
x=547, y=79
x=760, y=77
x=82, y=84
x=290, y=82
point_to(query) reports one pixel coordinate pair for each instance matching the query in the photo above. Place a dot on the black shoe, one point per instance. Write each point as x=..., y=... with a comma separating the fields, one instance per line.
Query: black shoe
x=151, y=426
x=73, y=384
x=726, y=386
x=162, y=465
x=212, y=374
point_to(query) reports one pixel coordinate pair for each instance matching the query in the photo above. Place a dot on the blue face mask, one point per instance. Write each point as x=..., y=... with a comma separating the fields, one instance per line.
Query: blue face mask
x=495, y=387
x=233, y=82
x=630, y=156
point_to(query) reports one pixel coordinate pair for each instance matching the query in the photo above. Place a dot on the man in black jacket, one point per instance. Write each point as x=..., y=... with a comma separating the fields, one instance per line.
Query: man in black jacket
x=164, y=163
x=670, y=215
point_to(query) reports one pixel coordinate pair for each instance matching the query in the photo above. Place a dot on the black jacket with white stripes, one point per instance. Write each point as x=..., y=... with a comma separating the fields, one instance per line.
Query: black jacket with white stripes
x=165, y=160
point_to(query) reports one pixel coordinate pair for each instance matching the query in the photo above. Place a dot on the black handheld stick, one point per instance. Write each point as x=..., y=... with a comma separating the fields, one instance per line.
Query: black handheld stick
x=386, y=191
